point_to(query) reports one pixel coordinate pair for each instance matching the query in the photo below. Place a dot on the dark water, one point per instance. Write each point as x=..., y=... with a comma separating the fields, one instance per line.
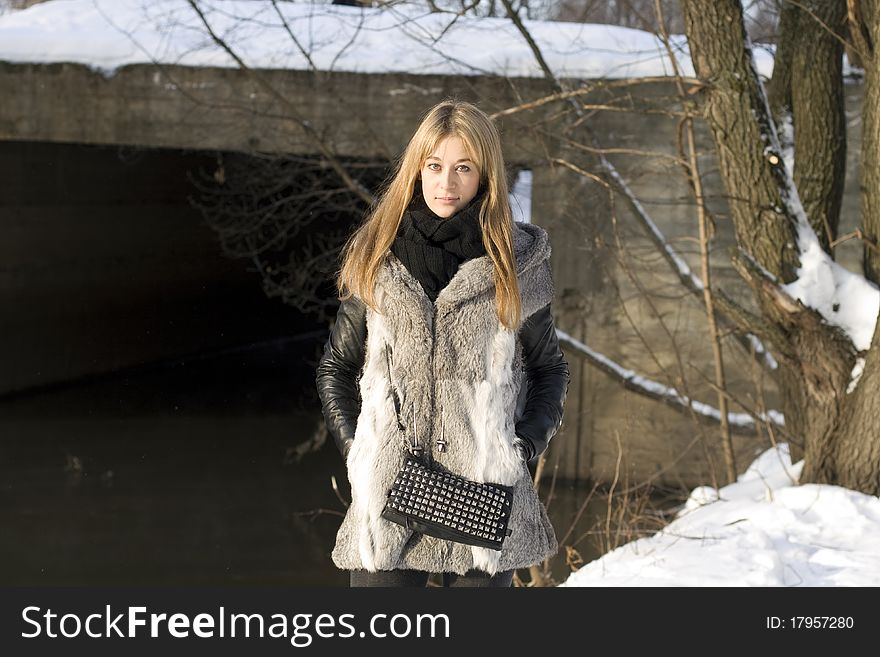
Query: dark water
x=181, y=474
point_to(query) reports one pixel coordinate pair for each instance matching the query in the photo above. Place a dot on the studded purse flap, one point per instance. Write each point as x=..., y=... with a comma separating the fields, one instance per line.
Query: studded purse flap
x=447, y=506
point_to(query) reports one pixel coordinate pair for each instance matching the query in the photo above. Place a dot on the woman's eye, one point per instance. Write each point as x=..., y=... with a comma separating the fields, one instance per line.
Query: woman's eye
x=433, y=166
x=464, y=168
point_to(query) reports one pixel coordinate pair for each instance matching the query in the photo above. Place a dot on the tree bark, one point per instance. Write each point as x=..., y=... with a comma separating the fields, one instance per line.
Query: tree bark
x=750, y=162
x=807, y=88
x=779, y=89
x=841, y=431
x=857, y=454
x=870, y=183
x=819, y=116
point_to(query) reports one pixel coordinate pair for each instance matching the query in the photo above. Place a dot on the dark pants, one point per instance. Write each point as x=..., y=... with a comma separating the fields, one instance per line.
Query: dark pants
x=398, y=578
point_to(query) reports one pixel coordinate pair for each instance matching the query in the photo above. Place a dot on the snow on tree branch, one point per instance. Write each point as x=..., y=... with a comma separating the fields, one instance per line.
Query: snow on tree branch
x=669, y=396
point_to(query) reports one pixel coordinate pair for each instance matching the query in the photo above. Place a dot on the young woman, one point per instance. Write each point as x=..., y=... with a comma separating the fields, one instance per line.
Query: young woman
x=444, y=333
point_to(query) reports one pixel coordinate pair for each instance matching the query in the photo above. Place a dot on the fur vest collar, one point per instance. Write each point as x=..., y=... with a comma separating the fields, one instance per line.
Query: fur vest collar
x=531, y=248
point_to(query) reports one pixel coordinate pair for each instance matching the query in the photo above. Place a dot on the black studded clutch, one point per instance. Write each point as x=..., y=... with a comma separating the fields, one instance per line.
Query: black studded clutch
x=448, y=506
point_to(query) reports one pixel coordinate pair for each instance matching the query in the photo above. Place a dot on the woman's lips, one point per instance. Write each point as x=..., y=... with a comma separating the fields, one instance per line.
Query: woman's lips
x=446, y=199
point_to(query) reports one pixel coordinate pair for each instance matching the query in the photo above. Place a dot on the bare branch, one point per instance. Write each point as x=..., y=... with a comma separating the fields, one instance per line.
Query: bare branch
x=359, y=190
x=857, y=30
x=742, y=423
x=593, y=150
x=826, y=27
x=751, y=323
x=286, y=25
x=581, y=172
x=692, y=170
x=688, y=279
x=765, y=284
x=858, y=234
x=335, y=485
x=586, y=90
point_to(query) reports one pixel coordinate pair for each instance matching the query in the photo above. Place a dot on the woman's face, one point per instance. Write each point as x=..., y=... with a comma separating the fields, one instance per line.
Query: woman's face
x=450, y=178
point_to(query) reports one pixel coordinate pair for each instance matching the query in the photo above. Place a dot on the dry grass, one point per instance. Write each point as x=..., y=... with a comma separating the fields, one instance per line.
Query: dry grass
x=624, y=511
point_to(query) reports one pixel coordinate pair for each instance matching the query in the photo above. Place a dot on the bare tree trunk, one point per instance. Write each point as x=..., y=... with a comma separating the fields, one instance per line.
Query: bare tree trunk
x=779, y=89
x=818, y=114
x=858, y=456
x=807, y=89
x=841, y=431
x=751, y=170
x=870, y=14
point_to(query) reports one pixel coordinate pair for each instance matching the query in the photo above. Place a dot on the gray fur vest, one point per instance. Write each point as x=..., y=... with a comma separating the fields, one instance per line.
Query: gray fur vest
x=458, y=373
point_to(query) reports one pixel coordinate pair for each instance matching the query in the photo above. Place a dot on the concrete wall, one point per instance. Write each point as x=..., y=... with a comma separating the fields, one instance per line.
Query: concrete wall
x=228, y=109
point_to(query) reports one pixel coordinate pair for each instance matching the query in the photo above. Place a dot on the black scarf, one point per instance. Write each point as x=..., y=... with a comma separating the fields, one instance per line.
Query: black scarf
x=432, y=248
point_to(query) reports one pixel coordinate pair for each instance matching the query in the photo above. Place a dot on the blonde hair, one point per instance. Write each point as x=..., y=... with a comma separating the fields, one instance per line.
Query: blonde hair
x=367, y=248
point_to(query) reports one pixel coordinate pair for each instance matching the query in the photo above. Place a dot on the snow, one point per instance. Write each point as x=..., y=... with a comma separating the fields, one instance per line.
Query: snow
x=847, y=300
x=107, y=34
x=763, y=530
x=843, y=299
x=786, y=140
x=663, y=391
x=521, y=197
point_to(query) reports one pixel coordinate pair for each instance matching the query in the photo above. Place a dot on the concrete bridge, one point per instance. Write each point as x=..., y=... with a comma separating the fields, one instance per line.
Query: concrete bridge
x=99, y=254
x=230, y=109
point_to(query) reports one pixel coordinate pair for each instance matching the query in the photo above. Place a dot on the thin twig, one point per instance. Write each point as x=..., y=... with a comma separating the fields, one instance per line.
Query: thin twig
x=336, y=490
x=359, y=190
x=857, y=234
x=693, y=172
x=584, y=91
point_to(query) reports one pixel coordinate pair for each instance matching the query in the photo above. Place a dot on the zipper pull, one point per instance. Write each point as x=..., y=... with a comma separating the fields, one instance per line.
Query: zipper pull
x=415, y=448
x=441, y=441
x=394, y=397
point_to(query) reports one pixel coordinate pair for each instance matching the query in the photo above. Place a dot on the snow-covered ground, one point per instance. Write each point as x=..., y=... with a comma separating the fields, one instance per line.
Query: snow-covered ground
x=764, y=530
x=106, y=34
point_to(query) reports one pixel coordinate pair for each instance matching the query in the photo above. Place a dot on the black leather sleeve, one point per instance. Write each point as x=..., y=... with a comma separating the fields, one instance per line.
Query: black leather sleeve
x=548, y=376
x=338, y=370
